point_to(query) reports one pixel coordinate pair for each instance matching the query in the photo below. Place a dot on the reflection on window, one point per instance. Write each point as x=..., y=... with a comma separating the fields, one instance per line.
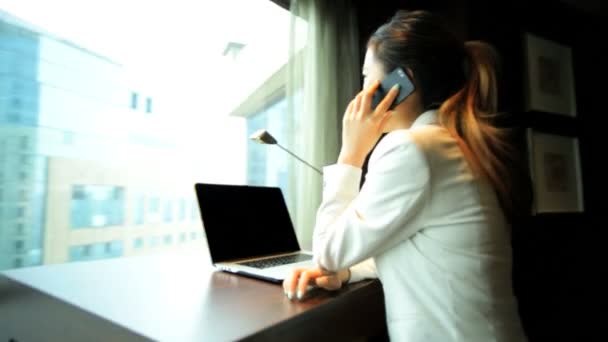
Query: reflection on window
x=138, y=243
x=97, y=206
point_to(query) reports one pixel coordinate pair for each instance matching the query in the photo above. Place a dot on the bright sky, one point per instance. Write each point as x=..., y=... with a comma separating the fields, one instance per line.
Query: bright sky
x=128, y=30
x=176, y=41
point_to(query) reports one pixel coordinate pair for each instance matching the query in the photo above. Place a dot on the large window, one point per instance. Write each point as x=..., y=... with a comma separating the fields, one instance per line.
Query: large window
x=106, y=126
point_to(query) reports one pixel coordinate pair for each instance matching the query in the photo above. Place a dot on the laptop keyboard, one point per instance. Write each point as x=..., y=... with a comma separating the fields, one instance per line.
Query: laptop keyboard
x=278, y=261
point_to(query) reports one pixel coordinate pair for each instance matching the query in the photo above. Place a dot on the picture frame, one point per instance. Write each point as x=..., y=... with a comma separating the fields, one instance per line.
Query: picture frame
x=556, y=172
x=549, y=77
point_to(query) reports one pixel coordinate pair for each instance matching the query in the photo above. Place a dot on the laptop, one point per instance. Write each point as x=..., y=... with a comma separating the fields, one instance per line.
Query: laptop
x=249, y=231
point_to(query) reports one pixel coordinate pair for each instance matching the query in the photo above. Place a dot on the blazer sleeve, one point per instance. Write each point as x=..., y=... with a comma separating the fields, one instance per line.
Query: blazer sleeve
x=363, y=270
x=355, y=225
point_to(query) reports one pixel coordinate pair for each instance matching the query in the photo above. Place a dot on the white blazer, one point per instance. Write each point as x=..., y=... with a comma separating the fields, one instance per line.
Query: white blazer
x=430, y=230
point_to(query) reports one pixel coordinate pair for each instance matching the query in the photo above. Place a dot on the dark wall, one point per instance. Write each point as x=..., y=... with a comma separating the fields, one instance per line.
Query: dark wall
x=559, y=259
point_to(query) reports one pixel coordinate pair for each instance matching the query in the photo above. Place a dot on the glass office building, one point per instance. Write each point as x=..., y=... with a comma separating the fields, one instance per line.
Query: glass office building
x=22, y=169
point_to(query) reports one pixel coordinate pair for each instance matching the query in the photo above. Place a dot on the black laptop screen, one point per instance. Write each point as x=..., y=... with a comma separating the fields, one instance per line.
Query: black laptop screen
x=245, y=221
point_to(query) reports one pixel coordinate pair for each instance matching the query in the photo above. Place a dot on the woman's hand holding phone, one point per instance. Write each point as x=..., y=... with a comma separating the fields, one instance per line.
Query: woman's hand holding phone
x=362, y=126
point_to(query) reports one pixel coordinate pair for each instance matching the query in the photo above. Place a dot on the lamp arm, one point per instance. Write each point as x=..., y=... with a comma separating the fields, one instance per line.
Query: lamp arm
x=300, y=159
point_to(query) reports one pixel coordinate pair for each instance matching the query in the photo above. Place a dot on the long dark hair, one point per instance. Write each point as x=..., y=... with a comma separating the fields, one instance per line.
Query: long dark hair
x=457, y=78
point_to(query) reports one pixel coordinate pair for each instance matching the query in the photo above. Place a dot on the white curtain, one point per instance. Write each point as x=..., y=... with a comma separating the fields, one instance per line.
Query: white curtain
x=323, y=77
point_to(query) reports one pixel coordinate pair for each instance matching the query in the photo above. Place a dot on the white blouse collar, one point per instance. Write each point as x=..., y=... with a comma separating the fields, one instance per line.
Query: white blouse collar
x=426, y=118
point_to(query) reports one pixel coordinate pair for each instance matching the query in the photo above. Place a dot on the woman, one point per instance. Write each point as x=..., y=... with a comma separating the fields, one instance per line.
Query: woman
x=429, y=221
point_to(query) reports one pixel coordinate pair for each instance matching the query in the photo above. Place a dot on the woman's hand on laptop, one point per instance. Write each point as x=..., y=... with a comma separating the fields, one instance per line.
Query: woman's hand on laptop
x=297, y=281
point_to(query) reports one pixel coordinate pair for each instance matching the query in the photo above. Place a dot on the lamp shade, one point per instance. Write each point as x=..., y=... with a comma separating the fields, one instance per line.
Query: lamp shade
x=263, y=137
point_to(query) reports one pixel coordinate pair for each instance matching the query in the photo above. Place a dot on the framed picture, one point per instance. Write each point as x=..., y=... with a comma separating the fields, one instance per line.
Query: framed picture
x=549, y=77
x=556, y=173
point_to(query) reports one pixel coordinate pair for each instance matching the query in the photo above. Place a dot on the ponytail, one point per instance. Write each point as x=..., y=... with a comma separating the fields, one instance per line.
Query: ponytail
x=469, y=114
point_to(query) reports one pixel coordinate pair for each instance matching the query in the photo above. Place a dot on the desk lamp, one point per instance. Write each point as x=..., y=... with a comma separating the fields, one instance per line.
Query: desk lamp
x=263, y=137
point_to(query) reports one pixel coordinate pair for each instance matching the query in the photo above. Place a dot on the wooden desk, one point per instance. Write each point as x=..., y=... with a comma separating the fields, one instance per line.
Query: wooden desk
x=174, y=297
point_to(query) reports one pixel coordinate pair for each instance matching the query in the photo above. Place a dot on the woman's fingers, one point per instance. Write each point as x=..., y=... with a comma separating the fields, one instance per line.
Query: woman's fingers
x=384, y=119
x=366, y=102
x=298, y=280
x=349, y=110
x=360, y=107
x=386, y=103
x=296, y=283
x=331, y=282
x=291, y=282
x=357, y=106
x=306, y=278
